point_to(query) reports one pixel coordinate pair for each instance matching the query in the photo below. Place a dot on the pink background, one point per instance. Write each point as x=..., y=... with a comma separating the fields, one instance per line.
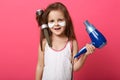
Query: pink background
x=19, y=37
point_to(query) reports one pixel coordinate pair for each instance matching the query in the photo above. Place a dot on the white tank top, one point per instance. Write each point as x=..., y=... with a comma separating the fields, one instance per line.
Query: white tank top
x=57, y=64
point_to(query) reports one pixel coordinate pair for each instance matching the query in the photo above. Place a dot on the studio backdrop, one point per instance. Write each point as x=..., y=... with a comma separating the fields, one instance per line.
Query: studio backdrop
x=20, y=35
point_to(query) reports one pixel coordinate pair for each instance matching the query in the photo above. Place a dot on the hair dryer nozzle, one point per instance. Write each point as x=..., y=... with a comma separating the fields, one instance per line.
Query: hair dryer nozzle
x=89, y=27
x=87, y=23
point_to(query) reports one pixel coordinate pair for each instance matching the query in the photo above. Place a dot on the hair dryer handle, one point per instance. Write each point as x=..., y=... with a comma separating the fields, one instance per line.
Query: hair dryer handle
x=83, y=50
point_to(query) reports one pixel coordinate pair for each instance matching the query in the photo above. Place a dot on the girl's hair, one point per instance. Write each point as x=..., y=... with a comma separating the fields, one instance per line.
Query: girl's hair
x=69, y=30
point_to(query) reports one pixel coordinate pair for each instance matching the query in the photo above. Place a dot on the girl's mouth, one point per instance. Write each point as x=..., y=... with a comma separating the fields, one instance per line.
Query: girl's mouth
x=57, y=28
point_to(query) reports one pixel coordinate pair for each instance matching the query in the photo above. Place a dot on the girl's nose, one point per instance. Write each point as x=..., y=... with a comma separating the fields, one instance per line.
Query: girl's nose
x=56, y=23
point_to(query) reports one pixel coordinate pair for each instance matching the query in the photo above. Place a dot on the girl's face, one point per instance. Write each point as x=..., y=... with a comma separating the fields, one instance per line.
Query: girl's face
x=56, y=22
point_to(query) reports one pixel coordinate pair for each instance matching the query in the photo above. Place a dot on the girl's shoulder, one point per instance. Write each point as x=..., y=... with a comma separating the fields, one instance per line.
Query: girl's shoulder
x=74, y=47
x=74, y=42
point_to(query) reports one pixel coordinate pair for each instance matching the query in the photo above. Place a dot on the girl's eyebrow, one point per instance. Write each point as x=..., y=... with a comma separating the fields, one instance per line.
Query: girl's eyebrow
x=61, y=19
x=50, y=20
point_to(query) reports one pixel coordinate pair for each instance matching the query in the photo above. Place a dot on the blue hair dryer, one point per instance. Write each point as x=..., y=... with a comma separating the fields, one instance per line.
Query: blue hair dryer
x=98, y=40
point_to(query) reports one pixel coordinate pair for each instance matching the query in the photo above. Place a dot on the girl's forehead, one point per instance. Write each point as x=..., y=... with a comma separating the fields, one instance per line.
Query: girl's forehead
x=56, y=13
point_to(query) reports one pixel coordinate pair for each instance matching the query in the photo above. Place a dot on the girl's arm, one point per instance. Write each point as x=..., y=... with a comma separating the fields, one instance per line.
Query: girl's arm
x=40, y=64
x=78, y=63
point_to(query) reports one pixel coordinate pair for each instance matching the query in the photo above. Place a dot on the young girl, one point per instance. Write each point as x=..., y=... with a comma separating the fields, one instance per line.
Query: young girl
x=57, y=62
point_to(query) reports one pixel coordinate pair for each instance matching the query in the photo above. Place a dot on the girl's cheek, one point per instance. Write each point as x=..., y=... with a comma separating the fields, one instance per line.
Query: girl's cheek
x=62, y=24
x=50, y=25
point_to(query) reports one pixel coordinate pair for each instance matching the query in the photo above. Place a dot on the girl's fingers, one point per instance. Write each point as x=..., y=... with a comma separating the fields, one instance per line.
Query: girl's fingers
x=90, y=48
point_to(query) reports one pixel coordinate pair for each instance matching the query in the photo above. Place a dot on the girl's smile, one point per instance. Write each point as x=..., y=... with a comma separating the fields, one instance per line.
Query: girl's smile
x=57, y=28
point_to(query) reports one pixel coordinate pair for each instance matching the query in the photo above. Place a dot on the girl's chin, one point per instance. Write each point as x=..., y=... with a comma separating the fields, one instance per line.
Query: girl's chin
x=58, y=33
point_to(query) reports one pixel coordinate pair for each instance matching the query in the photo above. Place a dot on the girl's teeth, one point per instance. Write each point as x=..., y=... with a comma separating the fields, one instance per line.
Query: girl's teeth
x=57, y=28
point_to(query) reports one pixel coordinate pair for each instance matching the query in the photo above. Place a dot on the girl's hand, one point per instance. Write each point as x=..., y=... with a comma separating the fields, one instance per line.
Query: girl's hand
x=90, y=49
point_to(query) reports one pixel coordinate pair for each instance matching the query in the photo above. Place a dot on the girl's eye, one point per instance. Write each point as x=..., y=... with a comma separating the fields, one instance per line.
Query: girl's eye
x=51, y=21
x=60, y=20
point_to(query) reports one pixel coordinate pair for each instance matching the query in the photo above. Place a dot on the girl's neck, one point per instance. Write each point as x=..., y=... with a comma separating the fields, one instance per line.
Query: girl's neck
x=59, y=42
x=59, y=37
